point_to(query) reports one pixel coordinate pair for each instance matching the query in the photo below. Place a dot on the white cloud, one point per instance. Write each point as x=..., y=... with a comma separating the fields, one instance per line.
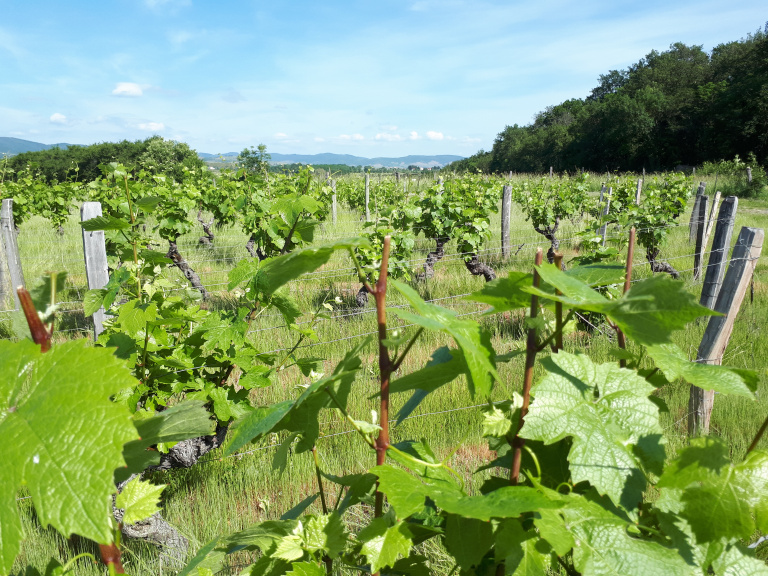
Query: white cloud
x=319, y=139
x=280, y=136
x=152, y=126
x=57, y=118
x=351, y=137
x=432, y=135
x=127, y=89
x=414, y=135
x=389, y=137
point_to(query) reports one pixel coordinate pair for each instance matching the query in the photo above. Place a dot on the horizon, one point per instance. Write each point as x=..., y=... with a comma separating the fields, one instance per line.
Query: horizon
x=336, y=78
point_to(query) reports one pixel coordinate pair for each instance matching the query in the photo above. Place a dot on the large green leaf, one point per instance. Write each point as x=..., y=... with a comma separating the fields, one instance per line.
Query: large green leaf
x=720, y=500
x=473, y=340
x=606, y=410
x=516, y=547
x=384, y=542
x=139, y=500
x=63, y=438
x=674, y=364
x=505, y=293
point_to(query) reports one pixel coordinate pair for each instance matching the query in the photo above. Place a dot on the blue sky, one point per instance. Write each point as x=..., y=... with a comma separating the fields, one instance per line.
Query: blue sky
x=386, y=78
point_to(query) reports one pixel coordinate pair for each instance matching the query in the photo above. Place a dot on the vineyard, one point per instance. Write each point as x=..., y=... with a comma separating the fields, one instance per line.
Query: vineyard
x=315, y=375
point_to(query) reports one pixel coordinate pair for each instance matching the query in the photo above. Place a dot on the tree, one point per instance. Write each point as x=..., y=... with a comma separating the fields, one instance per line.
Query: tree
x=254, y=159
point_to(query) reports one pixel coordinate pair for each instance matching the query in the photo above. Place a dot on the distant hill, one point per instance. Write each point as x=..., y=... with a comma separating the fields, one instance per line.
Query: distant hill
x=423, y=161
x=12, y=146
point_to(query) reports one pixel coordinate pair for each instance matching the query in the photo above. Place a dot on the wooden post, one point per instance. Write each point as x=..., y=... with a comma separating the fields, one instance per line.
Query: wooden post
x=711, y=218
x=367, y=197
x=701, y=229
x=551, y=173
x=749, y=175
x=95, y=253
x=333, y=202
x=604, y=212
x=692, y=228
x=506, y=217
x=11, y=249
x=639, y=189
x=713, y=277
x=718, y=332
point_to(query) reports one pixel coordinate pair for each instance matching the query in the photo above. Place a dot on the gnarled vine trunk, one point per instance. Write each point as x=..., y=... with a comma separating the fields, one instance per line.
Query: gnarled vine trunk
x=656, y=266
x=361, y=298
x=549, y=233
x=434, y=257
x=206, y=240
x=156, y=529
x=477, y=268
x=186, y=269
x=255, y=253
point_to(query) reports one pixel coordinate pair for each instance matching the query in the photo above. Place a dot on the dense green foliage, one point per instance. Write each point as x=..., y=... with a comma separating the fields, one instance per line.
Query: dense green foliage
x=81, y=163
x=680, y=106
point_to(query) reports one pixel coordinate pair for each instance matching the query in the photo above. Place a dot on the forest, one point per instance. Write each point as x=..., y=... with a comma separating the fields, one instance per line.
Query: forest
x=683, y=106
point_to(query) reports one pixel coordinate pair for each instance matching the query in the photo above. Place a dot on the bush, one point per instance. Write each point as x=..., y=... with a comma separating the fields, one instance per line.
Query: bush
x=731, y=176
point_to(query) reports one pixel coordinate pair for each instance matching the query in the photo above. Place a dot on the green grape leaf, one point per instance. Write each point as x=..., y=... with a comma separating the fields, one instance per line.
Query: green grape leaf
x=254, y=425
x=383, y=543
x=139, y=500
x=298, y=510
x=603, y=546
x=93, y=300
x=324, y=534
x=474, y=341
x=444, y=366
x=405, y=493
x=190, y=419
x=674, y=364
x=63, y=437
x=606, y=410
x=467, y=540
x=516, y=547
x=552, y=528
x=505, y=294
x=720, y=500
x=105, y=223
x=598, y=274
x=739, y=561
x=305, y=569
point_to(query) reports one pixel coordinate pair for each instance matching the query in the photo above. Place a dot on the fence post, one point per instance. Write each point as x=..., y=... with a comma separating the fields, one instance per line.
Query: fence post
x=749, y=175
x=711, y=219
x=692, y=228
x=701, y=229
x=333, y=201
x=639, y=189
x=551, y=172
x=12, y=260
x=604, y=211
x=719, y=329
x=367, y=197
x=713, y=277
x=95, y=254
x=506, y=216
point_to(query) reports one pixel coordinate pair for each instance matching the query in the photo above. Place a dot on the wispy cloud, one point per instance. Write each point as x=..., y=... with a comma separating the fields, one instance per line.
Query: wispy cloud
x=57, y=118
x=152, y=126
x=387, y=137
x=130, y=89
x=357, y=137
x=432, y=135
x=413, y=135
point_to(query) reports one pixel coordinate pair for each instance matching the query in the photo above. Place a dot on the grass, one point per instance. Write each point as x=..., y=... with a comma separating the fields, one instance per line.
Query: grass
x=224, y=495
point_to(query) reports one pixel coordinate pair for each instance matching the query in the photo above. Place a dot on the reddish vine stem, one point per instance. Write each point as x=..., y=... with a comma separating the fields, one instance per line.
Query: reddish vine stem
x=627, y=282
x=40, y=334
x=530, y=360
x=758, y=436
x=385, y=367
x=110, y=553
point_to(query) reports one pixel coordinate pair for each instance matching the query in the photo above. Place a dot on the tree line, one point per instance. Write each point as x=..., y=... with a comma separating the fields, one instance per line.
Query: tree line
x=680, y=106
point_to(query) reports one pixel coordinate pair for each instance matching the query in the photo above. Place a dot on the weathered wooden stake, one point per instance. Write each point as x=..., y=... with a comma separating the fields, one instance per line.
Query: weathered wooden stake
x=551, y=172
x=95, y=253
x=639, y=189
x=721, y=242
x=718, y=332
x=11, y=250
x=749, y=175
x=367, y=197
x=698, y=253
x=506, y=216
x=333, y=202
x=711, y=219
x=692, y=227
x=604, y=212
